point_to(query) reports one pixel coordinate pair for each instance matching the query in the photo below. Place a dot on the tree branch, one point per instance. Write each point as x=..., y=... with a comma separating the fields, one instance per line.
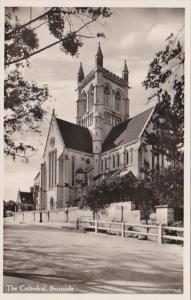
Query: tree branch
x=39, y=25
x=28, y=23
x=86, y=36
x=13, y=154
x=48, y=46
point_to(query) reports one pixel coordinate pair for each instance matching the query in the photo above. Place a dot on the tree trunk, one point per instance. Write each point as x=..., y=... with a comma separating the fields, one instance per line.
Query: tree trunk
x=93, y=214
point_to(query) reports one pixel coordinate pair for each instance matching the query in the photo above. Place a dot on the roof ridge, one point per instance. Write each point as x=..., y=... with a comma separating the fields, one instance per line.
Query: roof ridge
x=118, y=125
x=150, y=108
x=74, y=124
x=75, y=136
x=127, y=131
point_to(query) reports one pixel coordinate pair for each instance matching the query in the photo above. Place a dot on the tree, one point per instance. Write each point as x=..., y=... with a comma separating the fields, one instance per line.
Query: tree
x=69, y=27
x=166, y=80
x=96, y=197
x=23, y=105
x=162, y=186
x=100, y=194
x=4, y=209
x=168, y=186
x=24, y=100
x=144, y=198
x=11, y=205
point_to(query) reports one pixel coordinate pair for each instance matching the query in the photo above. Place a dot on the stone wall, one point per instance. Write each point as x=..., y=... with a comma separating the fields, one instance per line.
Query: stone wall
x=119, y=211
x=115, y=212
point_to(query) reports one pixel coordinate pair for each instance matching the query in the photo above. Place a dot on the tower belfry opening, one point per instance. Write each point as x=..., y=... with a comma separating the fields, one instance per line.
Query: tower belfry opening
x=102, y=99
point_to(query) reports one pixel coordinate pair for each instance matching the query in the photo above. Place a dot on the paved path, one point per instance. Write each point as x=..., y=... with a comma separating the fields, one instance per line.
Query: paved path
x=38, y=257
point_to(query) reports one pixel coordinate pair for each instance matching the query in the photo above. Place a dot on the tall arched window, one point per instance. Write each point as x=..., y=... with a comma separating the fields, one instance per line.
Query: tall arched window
x=102, y=165
x=107, y=93
x=127, y=157
x=109, y=118
x=52, y=169
x=131, y=155
x=84, y=103
x=90, y=97
x=105, y=163
x=118, y=160
x=105, y=117
x=118, y=101
x=52, y=204
x=113, y=161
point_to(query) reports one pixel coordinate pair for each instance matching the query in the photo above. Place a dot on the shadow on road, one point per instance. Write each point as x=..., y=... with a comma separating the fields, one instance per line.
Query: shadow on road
x=91, y=264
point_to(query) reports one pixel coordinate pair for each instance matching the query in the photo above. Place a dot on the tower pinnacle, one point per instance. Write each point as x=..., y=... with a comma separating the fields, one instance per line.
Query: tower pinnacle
x=80, y=75
x=99, y=57
x=125, y=72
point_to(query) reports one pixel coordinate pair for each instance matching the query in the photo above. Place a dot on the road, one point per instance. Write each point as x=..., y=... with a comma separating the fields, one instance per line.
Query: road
x=42, y=259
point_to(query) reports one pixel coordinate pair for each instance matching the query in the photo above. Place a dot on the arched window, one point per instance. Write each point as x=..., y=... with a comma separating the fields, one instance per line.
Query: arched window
x=105, y=163
x=90, y=97
x=131, y=155
x=112, y=120
x=113, y=161
x=107, y=93
x=127, y=157
x=52, y=169
x=102, y=165
x=118, y=160
x=52, y=203
x=109, y=118
x=84, y=103
x=105, y=117
x=118, y=101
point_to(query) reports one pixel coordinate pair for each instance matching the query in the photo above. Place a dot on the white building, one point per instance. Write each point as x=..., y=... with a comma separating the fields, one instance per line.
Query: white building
x=105, y=138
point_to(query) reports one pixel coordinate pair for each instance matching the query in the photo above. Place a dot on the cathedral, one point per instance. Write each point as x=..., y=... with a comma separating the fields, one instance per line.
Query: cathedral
x=104, y=141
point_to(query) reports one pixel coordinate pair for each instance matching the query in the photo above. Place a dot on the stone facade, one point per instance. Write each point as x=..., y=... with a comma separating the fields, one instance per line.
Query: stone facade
x=105, y=138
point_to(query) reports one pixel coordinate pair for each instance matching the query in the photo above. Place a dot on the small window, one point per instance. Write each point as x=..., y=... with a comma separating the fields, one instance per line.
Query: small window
x=105, y=163
x=102, y=166
x=131, y=155
x=52, y=169
x=118, y=160
x=113, y=162
x=90, y=97
x=106, y=94
x=84, y=99
x=127, y=157
x=106, y=117
x=117, y=101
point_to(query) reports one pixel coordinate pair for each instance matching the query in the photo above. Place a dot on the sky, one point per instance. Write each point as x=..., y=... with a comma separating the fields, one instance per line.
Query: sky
x=134, y=34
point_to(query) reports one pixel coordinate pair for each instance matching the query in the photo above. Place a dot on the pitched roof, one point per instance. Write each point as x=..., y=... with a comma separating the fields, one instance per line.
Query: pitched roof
x=127, y=131
x=37, y=175
x=26, y=197
x=75, y=137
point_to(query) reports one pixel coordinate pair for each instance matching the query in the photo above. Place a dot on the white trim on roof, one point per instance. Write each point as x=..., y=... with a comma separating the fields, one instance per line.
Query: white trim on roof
x=146, y=123
x=52, y=117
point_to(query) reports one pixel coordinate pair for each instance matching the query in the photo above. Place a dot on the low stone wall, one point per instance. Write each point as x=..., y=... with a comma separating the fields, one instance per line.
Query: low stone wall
x=115, y=212
x=75, y=212
x=119, y=211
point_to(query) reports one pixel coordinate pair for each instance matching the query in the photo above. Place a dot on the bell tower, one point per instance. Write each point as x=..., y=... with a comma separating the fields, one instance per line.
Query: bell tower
x=102, y=100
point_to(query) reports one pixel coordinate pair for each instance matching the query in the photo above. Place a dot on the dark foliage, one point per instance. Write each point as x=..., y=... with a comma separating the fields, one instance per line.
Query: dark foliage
x=165, y=79
x=23, y=100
